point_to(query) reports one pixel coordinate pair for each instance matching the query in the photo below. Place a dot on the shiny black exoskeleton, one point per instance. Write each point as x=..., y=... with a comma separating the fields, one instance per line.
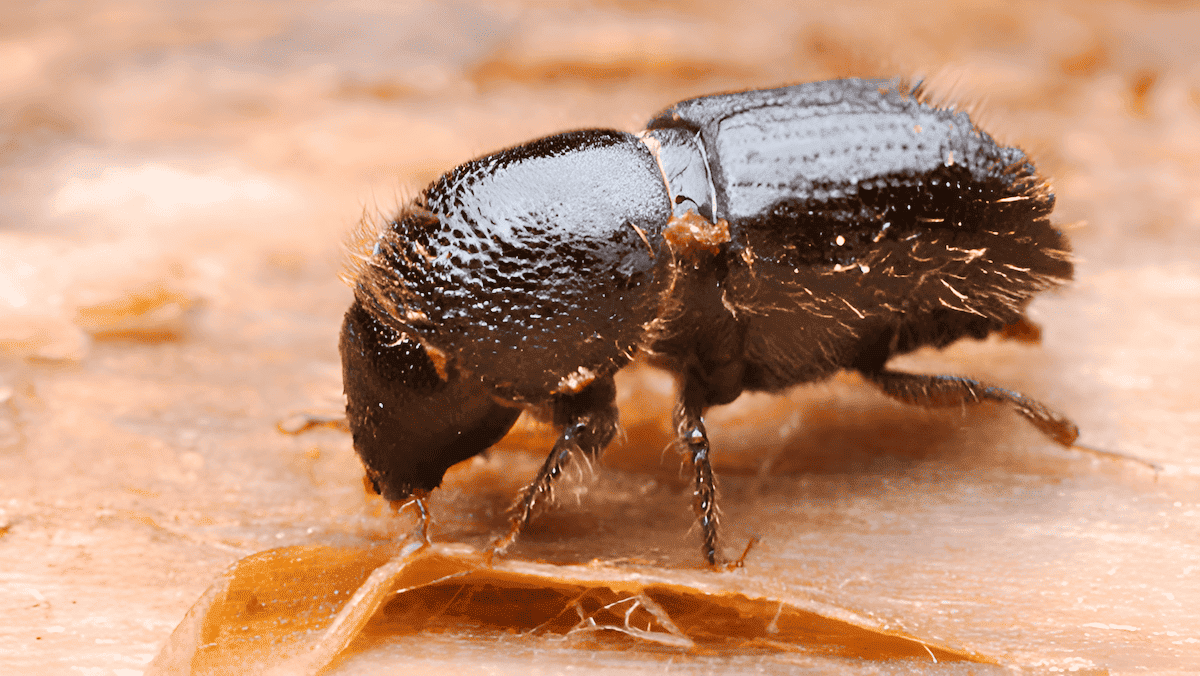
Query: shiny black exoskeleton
x=748, y=241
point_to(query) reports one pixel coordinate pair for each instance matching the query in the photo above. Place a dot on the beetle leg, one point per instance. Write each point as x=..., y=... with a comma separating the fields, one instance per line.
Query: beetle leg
x=939, y=391
x=589, y=422
x=417, y=500
x=689, y=425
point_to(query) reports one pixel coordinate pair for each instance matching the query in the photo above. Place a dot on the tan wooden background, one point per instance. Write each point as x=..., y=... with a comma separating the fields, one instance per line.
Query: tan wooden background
x=175, y=182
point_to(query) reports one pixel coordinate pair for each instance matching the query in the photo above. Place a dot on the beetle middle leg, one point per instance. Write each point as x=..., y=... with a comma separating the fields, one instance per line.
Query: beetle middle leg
x=588, y=420
x=941, y=391
x=689, y=426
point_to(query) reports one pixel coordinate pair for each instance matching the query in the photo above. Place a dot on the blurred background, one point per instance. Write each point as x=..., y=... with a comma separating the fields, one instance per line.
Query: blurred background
x=176, y=180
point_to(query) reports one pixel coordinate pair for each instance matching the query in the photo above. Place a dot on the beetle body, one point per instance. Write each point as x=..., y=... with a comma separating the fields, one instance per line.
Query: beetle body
x=746, y=242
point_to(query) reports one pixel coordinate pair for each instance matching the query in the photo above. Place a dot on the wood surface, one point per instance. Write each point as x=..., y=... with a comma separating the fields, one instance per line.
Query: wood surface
x=176, y=180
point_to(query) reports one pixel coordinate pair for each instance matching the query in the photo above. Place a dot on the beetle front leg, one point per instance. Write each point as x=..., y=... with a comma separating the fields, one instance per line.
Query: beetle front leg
x=689, y=425
x=588, y=421
x=940, y=391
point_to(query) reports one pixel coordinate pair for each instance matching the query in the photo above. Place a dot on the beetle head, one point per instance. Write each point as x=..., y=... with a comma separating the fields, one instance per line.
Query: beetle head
x=411, y=419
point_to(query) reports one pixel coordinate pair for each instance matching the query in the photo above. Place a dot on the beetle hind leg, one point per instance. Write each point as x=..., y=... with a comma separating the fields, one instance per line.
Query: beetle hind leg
x=941, y=391
x=588, y=421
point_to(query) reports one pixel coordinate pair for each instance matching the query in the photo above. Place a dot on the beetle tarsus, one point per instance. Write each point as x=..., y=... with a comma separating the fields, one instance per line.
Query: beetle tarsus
x=941, y=391
x=1120, y=457
x=741, y=560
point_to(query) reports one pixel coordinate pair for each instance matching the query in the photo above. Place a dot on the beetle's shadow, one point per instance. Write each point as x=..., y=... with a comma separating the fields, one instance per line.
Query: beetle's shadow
x=886, y=439
x=839, y=440
x=635, y=503
x=859, y=434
